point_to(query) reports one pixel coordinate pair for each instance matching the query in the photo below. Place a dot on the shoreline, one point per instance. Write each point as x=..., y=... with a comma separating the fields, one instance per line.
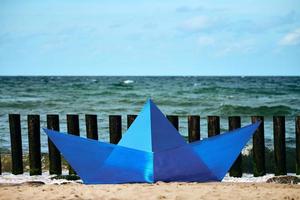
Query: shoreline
x=11, y=179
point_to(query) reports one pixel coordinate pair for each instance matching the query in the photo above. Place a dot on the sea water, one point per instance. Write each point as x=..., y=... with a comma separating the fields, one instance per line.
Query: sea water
x=182, y=96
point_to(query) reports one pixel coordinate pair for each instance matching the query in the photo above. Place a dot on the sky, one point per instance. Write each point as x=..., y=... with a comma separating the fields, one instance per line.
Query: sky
x=138, y=37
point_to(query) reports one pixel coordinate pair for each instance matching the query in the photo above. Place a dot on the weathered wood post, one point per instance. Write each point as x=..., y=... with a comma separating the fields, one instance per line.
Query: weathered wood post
x=54, y=154
x=16, y=143
x=298, y=145
x=73, y=129
x=279, y=145
x=213, y=125
x=194, y=128
x=234, y=122
x=91, y=126
x=130, y=119
x=34, y=140
x=0, y=165
x=174, y=120
x=115, y=128
x=259, y=167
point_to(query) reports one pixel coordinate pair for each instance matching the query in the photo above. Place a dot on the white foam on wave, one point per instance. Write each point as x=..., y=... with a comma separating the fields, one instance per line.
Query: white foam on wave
x=248, y=178
x=128, y=81
x=8, y=178
x=247, y=150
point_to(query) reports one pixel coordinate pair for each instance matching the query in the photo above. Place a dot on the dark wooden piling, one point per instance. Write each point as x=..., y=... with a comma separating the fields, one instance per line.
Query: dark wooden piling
x=236, y=170
x=16, y=144
x=279, y=145
x=0, y=165
x=73, y=129
x=297, y=145
x=213, y=125
x=91, y=126
x=130, y=119
x=34, y=140
x=54, y=154
x=115, y=128
x=259, y=166
x=194, y=128
x=174, y=120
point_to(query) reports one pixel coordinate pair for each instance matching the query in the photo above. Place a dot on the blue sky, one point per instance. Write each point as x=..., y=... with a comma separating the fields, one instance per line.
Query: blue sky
x=138, y=37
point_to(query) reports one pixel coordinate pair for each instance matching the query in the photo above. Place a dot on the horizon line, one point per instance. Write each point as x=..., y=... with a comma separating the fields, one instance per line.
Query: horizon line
x=69, y=75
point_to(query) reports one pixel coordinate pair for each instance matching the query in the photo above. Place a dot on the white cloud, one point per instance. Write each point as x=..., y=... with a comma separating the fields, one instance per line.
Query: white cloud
x=292, y=38
x=205, y=40
x=237, y=46
x=189, y=9
x=196, y=23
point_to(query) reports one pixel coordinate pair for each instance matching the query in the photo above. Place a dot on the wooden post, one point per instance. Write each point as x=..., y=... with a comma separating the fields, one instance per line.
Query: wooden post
x=259, y=167
x=213, y=125
x=54, y=154
x=115, y=128
x=236, y=170
x=34, y=140
x=16, y=143
x=279, y=145
x=174, y=120
x=73, y=129
x=130, y=119
x=194, y=128
x=298, y=145
x=0, y=165
x=91, y=126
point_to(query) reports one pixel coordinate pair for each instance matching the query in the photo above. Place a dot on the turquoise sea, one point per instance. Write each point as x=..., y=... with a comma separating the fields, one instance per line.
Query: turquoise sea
x=182, y=95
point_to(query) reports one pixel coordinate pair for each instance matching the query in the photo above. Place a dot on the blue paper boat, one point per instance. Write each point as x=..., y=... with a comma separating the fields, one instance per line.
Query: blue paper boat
x=152, y=150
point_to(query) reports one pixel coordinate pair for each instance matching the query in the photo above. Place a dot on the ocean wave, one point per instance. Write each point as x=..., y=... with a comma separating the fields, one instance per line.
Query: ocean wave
x=201, y=90
x=132, y=95
x=128, y=81
x=198, y=89
x=20, y=104
x=260, y=110
x=121, y=85
x=105, y=93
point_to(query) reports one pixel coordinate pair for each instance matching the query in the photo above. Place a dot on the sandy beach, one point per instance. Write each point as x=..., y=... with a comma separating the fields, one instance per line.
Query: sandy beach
x=158, y=190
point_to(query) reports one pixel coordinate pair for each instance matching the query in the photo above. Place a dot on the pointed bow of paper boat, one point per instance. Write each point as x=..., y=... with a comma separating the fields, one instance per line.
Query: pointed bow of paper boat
x=152, y=150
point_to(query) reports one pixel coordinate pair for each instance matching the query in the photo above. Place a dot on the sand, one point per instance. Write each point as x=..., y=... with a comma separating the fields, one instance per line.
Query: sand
x=158, y=190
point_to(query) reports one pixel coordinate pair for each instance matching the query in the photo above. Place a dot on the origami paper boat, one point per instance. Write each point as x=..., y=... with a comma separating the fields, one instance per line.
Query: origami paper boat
x=152, y=150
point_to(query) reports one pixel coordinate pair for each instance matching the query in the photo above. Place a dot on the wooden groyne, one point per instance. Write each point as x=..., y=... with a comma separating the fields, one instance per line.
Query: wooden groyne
x=115, y=134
